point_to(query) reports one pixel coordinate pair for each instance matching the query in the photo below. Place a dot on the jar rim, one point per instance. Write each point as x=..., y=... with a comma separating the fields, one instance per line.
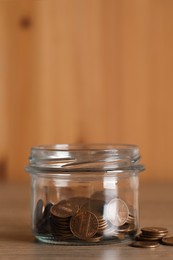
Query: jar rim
x=84, y=158
x=84, y=147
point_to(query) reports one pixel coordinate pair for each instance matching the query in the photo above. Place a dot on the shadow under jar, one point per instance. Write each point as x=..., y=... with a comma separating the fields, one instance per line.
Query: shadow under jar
x=84, y=194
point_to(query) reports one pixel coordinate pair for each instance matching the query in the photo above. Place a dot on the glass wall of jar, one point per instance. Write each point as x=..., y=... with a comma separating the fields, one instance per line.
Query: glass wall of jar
x=85, y=194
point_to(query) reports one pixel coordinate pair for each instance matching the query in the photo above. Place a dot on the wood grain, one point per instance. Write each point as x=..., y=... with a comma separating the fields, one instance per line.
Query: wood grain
x=4, y=131
x=86, y=71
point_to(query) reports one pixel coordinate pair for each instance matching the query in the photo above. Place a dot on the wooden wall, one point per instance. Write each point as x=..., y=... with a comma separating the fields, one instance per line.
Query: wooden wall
x=87, y=71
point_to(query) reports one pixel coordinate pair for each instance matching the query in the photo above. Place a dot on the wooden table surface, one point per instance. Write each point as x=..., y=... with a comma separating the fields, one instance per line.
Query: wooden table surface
x=17, y=242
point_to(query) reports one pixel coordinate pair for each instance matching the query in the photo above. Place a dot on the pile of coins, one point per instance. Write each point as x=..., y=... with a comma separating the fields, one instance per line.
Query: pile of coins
x=84, y=219
x=91, y=220
x=151, y=237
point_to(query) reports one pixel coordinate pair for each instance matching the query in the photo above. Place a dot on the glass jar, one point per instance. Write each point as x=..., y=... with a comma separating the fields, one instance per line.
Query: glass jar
x=84, y=194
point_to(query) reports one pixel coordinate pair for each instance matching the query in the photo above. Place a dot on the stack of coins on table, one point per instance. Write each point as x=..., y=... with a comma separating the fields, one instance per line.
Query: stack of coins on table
x=152, y=234
x=151, y=237
x=84, y=219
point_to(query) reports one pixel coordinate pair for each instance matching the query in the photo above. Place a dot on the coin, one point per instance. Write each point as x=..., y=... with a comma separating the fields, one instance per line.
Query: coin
x=130, y=219
x=104, y=195
x=109, y=230
x=117, y=212
x=145, y=244
x=46, y=212
x=123, y=228
x=84, y=224
x=64, y=209
x=102, y=224
x=84, y=218
x=140, y=237
x=54, y=228
x=38, y=212
x=80, y=201
x=95, y=238
x=152, y=233
x=42, y=224
x=119, y=236
x=167, y=241
x=154, y=230
x=93, y=205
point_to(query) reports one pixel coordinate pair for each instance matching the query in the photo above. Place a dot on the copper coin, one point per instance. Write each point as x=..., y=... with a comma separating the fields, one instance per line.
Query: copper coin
x=154, y=230
x=123, y=228
x=38, y=214
x=95, y=238
x=96, y=206
x=64, y=209
x=167, y=241
x=130, y=219
x=152, y=236
x=46, y=212
x=117, y=212
x=104, y=195
x=132, y=227
x=84, y=224
x=119, y=236
x=43, y=226
x=102, y=225
x=80, y=201
x=140, y=237
x=145, y=244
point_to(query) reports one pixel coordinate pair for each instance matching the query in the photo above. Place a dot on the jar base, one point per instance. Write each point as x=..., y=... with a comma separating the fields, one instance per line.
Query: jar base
x=49, y=239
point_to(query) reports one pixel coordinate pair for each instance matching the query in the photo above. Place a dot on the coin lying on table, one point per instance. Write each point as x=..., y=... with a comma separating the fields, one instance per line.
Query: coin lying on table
x=145, y=244
x=141, y=237
x=154, y=230
x=167, y=241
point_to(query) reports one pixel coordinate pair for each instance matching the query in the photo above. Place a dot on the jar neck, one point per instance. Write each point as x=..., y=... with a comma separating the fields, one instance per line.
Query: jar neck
x=99, y=157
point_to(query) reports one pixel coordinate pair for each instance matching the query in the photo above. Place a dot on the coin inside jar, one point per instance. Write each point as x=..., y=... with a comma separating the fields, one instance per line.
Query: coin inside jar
x=38, y=214
x=84, y=225
x=80, y=201
x=95, y=206
x=64, y=209
x=117, y=212
x=154, y=230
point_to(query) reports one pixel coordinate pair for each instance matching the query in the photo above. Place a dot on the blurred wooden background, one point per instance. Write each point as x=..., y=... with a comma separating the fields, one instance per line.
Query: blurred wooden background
x=90, y=71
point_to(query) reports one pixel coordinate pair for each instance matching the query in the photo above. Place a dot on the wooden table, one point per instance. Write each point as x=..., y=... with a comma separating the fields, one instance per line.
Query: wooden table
x=17, y=242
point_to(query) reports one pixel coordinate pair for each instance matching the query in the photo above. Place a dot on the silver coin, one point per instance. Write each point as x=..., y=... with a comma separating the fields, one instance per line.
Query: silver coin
x=117, y=212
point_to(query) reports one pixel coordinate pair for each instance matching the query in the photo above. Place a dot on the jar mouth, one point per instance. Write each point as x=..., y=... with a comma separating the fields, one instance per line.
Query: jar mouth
x=84, y=157
x=87, y=147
